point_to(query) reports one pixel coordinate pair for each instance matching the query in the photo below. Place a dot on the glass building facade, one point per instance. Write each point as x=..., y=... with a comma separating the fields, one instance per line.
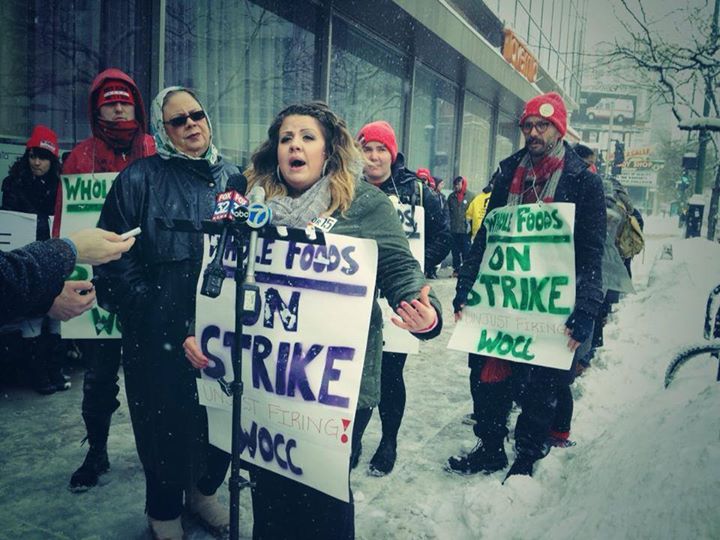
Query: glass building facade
x=247, y=59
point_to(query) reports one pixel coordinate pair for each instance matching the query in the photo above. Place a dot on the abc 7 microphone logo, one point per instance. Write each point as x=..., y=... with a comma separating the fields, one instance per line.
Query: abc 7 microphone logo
x=256, y=215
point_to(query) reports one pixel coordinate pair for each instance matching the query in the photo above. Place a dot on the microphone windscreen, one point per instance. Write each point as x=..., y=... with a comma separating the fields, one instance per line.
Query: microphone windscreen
x=257, y=195
x=237, y=182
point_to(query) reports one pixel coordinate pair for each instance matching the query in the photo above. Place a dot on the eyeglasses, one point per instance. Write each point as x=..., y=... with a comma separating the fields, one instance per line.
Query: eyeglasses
x=541, y=127
x=180, y=121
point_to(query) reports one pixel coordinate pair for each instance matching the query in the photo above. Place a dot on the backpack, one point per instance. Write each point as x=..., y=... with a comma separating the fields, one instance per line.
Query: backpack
x=629, y=240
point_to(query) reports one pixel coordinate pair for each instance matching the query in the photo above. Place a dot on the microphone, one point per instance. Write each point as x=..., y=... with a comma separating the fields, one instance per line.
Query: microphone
x=230, y=205
x=259, y=215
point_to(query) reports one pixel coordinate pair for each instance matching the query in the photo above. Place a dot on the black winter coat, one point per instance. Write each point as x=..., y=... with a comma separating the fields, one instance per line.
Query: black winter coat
x=577, y=185
x=152, y=288
x=32, y=195
x=405, y=184
x=31, y=277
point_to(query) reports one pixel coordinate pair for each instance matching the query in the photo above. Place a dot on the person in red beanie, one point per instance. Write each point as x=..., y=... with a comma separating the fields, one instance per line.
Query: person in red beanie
x=30, y=187
x=119, y=137
x=548, y=170
x=385, y=169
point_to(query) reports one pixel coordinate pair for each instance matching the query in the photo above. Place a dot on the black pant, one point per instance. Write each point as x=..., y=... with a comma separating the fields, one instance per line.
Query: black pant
x=460, y=248
x=164, y=500
x=535, y=389
x=564, y=410
x=392, y=399
x=288, y=510
x=100, y=388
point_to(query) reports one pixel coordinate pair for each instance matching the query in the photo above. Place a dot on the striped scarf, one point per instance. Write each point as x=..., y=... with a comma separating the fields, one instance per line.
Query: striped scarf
x=544, y=175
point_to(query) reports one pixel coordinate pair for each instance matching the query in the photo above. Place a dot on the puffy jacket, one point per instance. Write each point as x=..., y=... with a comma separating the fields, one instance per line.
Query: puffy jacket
x=94, y=155
x=372, y=215
x=411, y=190
x=23, y=192
x=577, y=185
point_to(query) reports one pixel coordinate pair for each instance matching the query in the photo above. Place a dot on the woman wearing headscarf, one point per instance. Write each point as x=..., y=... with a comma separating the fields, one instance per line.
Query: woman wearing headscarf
x=310, y=167
x=30, y=188
x=152, y=289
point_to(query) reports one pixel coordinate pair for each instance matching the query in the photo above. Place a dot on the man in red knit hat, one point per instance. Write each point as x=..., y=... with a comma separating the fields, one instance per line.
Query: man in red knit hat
x=119, y=137
x=547, y=170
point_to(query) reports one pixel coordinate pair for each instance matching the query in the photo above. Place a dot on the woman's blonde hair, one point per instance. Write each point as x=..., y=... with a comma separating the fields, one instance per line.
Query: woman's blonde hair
x=343, y=165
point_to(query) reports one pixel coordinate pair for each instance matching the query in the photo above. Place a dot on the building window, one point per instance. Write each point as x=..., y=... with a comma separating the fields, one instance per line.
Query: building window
x=50, y=52
x=475, y=151
x=506, y=141
x=366, y=79
x=432, y=124
x=245, y=62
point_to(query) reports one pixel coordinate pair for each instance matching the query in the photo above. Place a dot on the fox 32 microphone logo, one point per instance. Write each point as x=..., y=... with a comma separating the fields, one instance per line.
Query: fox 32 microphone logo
x=259, y=215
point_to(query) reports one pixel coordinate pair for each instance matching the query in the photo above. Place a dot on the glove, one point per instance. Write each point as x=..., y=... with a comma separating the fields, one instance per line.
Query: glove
x=580, y=324
x=460, y=299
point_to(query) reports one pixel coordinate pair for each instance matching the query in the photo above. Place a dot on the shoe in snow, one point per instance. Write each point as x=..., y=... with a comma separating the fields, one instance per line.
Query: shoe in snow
x=96, y=463
x=383, y=461
x=481, y=459
x=521, y=467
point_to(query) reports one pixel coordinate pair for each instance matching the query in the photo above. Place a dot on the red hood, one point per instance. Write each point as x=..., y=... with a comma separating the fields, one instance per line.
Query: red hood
x=116, y=74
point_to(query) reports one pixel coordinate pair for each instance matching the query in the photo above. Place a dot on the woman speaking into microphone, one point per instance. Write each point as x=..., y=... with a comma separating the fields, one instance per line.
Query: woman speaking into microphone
x=310, y=167
x=152, y=289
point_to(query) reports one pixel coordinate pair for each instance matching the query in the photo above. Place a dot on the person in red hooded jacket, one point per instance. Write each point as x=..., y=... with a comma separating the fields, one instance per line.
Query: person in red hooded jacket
x=119, y=137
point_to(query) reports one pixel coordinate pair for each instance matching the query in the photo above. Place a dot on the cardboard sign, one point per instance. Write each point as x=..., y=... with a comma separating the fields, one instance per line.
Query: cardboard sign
x=83, y=198
x=525, y=290
x=17, y=229
x=413, y=223
x=303, y=352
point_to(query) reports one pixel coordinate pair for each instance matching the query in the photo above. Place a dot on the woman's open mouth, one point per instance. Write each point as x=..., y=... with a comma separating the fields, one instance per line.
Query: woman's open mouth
x=296, y=164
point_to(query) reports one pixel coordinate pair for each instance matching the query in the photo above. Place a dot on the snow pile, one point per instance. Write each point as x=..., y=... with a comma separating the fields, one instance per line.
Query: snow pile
x=647, y=460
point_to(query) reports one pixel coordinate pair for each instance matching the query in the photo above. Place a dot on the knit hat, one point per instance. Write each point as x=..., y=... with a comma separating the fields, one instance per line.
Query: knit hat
x=381, y=132
x=114, y=91
x=549, y=106
x=45, y=138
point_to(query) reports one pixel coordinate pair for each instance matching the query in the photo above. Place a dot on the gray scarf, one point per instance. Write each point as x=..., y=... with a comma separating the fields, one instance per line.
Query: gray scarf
x=299, y=212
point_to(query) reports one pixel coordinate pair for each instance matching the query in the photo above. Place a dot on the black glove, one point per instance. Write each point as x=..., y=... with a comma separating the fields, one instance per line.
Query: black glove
x=460, y=299
x=580, y=324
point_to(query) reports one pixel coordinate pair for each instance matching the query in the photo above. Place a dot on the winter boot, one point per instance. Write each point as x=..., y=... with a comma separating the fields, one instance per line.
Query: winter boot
x=38, y=366
x=523, y=466
x=96, y=461
x=171, y=529
x=213, y=515
x=383, y=461
x=482, y=458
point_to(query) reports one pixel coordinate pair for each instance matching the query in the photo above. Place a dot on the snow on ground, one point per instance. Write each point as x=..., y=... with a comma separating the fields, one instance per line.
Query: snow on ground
x=646, y=463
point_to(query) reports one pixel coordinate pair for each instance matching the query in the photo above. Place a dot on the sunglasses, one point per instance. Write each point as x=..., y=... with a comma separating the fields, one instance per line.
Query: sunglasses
x=180, y=121
x=541, y=127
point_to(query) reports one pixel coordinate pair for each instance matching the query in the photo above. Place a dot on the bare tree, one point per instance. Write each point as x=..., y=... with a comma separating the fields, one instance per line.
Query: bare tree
x=676, y=73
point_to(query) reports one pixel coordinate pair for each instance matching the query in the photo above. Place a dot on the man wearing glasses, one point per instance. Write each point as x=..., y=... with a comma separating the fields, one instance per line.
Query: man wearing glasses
x=547, y=170
x=119, y=137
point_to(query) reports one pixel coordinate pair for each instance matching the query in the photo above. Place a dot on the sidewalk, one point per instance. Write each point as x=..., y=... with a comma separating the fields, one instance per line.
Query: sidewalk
x=40, y=448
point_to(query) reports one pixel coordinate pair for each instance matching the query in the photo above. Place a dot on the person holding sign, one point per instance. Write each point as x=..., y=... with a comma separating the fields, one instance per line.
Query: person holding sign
x=119, y=137
x=153, y=292
x=310, y=168
x=385, y=169
x=545, y=171
x=30, y=188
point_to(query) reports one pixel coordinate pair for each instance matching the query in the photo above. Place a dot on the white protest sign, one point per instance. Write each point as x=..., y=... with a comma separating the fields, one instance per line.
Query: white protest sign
x=303, y=354
x=413, y=223
x=525, y=290
x=17, y=229
x=83, y=198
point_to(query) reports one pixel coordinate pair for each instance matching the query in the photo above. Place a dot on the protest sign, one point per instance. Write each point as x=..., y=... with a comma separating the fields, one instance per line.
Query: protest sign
x=17, y=229
x=525, y=290
x=302, y=359
x=412, y=220
x=83, y=198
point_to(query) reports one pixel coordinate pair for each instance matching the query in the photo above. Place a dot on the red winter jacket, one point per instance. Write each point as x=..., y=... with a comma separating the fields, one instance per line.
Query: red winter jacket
x=94, y=155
